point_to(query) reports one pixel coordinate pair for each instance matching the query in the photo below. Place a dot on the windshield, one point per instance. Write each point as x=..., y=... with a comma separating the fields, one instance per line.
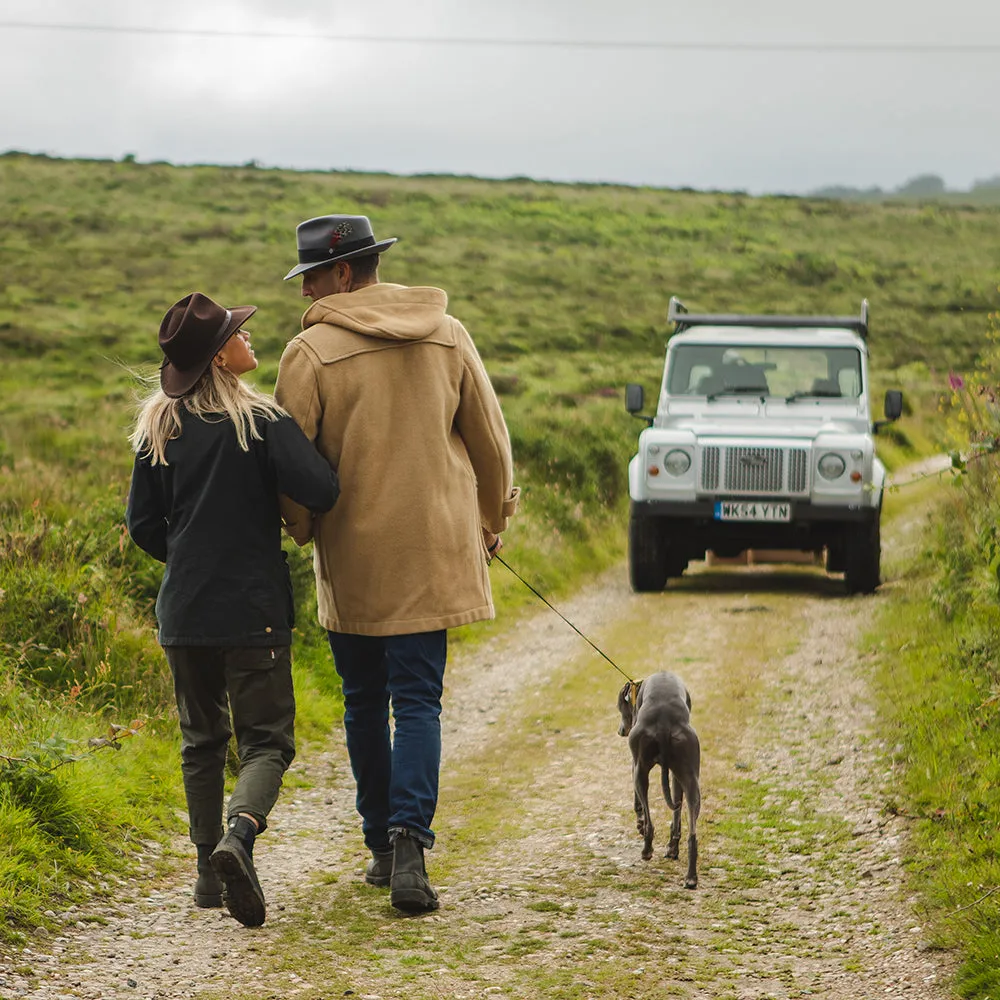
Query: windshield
x=792, y=372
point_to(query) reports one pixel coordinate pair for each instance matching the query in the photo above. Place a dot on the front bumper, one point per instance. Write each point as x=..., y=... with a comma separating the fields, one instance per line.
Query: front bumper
x=704, y=511
x=691, y=528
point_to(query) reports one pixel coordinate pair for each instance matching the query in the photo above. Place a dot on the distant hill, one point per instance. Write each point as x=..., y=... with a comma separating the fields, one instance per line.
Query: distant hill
x=923, y=187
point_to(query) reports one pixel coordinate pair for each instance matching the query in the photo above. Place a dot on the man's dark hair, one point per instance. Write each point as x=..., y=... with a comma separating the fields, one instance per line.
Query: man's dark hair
x=364, y=268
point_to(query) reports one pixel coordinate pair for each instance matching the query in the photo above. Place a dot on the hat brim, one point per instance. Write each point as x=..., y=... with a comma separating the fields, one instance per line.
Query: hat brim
x=379, y=247
x=176, y=382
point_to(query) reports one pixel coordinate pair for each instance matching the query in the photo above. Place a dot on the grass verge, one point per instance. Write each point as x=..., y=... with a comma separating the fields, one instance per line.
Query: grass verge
x=937, y=642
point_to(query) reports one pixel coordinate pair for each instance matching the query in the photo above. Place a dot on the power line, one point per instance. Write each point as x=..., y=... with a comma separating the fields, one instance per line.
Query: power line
x=864, y=48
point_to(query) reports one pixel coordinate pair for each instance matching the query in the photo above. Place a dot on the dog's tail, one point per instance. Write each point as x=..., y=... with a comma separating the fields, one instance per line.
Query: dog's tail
x=665, y=782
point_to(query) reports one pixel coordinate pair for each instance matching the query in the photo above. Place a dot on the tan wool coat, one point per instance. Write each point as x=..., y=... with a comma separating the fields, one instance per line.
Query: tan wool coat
x=392, y=391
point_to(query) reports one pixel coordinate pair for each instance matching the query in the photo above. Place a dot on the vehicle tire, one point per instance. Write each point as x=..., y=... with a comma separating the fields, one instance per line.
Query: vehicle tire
x=674, y=557
x=835, y=556
x=647, y=563
x=863, y=558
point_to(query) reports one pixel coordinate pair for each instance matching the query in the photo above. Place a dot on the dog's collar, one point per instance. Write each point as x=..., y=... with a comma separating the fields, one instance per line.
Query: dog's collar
x=633, y=693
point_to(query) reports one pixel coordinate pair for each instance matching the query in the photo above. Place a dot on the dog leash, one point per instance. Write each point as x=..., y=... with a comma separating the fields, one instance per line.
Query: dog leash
x=635, y=684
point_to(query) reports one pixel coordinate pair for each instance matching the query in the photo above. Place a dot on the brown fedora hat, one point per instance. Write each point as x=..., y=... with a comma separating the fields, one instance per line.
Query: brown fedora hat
x=329, y=238
x=191, y=334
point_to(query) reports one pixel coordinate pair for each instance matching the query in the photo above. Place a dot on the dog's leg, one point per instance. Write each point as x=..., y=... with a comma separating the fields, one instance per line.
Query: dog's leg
x=694, y=808
x=691, y=879
x=674, y=847
x=640, y=777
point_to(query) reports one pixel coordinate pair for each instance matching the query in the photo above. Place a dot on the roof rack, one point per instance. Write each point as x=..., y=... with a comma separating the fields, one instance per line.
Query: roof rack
x=677, y=313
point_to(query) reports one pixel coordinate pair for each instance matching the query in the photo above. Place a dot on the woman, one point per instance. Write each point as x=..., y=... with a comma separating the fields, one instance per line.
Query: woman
x=212, y=457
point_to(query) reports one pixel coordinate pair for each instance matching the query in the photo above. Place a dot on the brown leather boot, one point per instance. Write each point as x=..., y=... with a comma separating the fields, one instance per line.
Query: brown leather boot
x=379, y=870
x=208, y=888
x=232, y=860
x=409, y=889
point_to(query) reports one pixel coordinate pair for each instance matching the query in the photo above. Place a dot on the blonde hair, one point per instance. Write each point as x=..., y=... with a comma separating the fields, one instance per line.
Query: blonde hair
x=216, y=396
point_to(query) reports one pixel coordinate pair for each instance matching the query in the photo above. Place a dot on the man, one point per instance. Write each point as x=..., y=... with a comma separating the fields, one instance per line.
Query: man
x=395, y=396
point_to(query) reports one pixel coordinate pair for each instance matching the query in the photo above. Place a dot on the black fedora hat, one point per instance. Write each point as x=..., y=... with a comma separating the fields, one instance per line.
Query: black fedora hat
x=329, y=238
x=191, y=334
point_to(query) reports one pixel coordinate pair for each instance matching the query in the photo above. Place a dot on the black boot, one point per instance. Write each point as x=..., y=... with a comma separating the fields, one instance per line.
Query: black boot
x=208, y=888
x=232, y=859
x=409, y=889
x=379, y=870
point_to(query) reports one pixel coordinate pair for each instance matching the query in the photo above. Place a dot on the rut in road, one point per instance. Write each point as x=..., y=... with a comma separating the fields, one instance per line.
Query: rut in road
x=543, y=889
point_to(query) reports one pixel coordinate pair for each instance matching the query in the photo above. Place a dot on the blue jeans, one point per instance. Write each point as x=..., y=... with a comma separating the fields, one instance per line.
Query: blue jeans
x=397, y=779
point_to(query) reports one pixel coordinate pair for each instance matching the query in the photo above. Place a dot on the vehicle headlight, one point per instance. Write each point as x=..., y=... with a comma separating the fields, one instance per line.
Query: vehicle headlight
x=831, y=466
x=677, y=462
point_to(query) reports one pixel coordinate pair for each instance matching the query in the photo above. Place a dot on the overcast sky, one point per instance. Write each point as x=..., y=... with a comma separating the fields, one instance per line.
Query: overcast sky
x=762, y=119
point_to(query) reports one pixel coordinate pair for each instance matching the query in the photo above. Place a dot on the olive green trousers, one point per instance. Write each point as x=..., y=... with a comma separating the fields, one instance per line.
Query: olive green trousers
x=255, y=683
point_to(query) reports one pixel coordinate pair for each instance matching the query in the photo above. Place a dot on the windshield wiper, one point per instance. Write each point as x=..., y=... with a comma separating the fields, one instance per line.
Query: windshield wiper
x=821, y=393
x=736, y=390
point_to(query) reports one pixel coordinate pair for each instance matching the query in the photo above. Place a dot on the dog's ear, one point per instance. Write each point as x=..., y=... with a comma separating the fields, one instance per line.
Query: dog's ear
x=626, y=710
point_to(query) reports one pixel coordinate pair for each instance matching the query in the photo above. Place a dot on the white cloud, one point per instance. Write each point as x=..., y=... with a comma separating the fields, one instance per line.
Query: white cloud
x=758, y=121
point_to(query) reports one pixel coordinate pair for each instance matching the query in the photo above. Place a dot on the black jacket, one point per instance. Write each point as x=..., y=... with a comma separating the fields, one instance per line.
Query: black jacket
x=211, y=514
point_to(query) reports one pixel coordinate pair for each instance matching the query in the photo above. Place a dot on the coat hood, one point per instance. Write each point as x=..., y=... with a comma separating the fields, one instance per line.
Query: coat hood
x=391, y=312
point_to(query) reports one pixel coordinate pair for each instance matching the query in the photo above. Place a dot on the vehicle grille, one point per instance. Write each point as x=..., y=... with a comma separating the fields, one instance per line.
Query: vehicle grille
x=797, y=461
x=710, y=468
x=754, y=470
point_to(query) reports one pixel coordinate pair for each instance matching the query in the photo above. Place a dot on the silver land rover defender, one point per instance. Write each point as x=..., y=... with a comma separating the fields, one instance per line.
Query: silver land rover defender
x=762, y=439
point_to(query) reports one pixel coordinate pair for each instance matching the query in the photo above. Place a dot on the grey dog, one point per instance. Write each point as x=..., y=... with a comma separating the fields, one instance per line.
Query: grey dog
x=656, y=716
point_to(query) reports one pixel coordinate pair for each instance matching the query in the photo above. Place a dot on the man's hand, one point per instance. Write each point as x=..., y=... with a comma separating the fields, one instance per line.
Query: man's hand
x=493, y=544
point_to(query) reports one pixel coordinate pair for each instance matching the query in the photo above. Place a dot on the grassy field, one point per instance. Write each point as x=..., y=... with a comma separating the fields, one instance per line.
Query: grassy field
x=564, y=288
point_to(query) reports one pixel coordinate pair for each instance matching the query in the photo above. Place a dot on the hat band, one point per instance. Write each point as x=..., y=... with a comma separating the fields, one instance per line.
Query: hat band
x=314, y=256
x=225, y=323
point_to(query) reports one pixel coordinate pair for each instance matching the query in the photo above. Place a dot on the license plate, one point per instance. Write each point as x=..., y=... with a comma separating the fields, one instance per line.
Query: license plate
x=741, y=510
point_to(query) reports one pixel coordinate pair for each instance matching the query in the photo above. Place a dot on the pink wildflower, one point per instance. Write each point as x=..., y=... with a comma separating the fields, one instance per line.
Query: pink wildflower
x=955, y=381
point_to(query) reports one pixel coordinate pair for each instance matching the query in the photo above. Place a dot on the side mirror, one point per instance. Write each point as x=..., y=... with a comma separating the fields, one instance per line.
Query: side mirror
x=634, y=398
x=893, y=404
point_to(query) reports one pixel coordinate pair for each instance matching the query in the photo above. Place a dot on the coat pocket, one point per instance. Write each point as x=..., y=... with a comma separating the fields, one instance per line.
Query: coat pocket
x=253, y=659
